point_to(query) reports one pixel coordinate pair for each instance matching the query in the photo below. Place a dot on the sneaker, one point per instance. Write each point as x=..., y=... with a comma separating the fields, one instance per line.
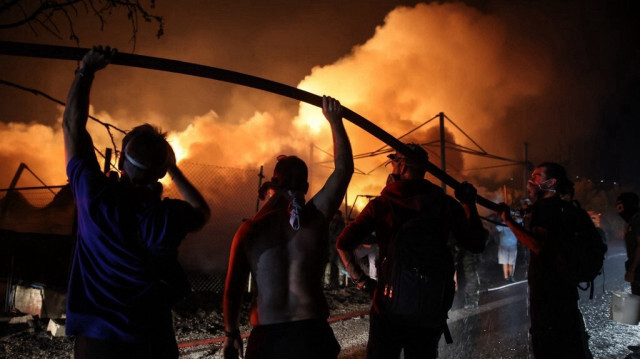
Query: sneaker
x=470, y=305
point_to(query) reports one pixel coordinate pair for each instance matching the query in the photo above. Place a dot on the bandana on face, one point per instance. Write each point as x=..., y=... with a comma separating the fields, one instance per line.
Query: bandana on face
x=392, y=178
x=294, y=211
x=543, y=186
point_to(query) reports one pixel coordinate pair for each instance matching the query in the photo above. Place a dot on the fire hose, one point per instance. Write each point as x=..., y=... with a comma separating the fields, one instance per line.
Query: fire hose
x=186, y=68
x=246, y=335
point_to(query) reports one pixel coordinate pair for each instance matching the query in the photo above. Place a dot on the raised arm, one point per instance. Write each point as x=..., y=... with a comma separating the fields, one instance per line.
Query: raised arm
x=328, y=199
x=467, y=228
x=77, y=140
x=189, y=193
x=235, y=286
x=528, y=239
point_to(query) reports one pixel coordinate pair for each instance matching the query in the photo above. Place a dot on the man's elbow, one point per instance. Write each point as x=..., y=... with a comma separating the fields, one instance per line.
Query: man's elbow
x=66, y=122
x=206, y=214
x=345, y=171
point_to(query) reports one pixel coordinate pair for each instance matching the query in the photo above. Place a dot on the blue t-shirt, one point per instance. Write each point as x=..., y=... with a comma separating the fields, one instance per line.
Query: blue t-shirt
x=127, y=241
x=507, y=238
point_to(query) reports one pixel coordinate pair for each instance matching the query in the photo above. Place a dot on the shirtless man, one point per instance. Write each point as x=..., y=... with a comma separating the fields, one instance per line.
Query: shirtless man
x=283, y=248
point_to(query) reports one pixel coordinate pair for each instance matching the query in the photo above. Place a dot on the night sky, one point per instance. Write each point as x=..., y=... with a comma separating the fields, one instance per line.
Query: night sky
x=561, y=75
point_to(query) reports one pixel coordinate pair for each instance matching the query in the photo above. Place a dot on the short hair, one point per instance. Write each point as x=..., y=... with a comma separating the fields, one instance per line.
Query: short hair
x=554, y=170
x=629, y=200
x=419, y=152
x=148, y=146
x=290, y=173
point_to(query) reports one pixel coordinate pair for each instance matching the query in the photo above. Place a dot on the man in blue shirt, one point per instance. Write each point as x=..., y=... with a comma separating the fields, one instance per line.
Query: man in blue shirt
x=125, y=276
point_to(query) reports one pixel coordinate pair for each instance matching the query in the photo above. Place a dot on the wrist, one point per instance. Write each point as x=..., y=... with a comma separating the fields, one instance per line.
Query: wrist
x=361, y=281
x=84, y=72
x=358, y=280
x=173, y=170
x=232, y=333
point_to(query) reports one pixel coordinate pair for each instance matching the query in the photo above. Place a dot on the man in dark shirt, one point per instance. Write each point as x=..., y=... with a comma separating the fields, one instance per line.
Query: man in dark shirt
x=406, y=195
x=627, y=208
x=125, y=275
x=557, y=327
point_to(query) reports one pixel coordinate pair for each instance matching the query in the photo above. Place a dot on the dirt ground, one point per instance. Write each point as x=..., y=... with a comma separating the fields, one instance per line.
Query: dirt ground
x=197, y=317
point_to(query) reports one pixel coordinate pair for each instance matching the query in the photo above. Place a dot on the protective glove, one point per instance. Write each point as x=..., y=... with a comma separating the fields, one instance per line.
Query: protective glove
x=466, y=193
x=368, y=285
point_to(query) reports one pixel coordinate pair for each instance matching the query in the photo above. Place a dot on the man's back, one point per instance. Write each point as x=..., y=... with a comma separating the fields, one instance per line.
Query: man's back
x=284, y=248
x=286, y=264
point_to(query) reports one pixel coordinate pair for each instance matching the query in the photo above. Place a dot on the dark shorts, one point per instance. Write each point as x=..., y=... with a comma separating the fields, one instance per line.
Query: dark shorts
x=90, y=348
x=387, y=339
x=161, y=344
x=311, y=339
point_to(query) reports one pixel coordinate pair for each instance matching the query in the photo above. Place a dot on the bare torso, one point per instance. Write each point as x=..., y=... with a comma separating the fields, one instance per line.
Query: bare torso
x=287, y=266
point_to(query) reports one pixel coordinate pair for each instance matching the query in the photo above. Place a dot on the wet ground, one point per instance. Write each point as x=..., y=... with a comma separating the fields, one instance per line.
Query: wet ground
x=497, y=328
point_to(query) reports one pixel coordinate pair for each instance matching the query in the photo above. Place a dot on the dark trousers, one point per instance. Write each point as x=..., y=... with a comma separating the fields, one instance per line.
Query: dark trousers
x=311, y=339
x=387, y=339
x=635, y=287
x=90, y=348
x=161, y=344
x=566, y=338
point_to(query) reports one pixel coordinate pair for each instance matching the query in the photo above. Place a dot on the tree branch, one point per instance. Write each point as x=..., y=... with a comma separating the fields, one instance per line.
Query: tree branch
x=49, y=12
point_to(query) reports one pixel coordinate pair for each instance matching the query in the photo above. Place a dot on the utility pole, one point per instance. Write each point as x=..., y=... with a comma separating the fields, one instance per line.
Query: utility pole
x=525, y=171
x=260, y=177
x=443, y=161
x=107, y=160
x=5, y=207
x=346, y=207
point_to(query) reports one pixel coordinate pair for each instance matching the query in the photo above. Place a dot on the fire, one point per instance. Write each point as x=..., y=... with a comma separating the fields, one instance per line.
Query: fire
x=309, y=121
x=180, y=147
x=413, y=67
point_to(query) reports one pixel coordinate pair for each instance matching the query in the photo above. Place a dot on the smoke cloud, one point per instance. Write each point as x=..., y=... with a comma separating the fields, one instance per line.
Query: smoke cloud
x=497, y=80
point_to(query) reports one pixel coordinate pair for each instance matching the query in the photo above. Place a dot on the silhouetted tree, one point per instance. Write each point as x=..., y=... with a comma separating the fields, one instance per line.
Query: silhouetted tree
x=53, y=15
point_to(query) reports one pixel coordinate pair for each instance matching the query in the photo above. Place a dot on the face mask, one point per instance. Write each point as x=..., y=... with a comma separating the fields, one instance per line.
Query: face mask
x=392, y=178
x=295, y=208
x=544, y=186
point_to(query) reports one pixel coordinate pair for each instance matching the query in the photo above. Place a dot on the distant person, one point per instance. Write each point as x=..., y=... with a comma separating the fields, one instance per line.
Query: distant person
x=367, y=254
x=507, y=250
x=468, y=278
x=557, y=327
x=412, y=219
x=627, y=207
x=595, y=217
x=125, y=276
x=283, y=247
x=333, y=272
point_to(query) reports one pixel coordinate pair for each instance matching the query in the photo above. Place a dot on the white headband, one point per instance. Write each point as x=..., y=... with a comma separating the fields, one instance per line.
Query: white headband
x=134, y=162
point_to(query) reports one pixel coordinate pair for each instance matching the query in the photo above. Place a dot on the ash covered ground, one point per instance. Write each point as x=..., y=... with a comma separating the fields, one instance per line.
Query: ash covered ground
x=198, y=317
x=496, y=328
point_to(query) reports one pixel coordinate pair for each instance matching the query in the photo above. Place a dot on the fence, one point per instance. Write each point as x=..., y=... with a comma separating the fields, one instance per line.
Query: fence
x=230, y=192
x=232, y=196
